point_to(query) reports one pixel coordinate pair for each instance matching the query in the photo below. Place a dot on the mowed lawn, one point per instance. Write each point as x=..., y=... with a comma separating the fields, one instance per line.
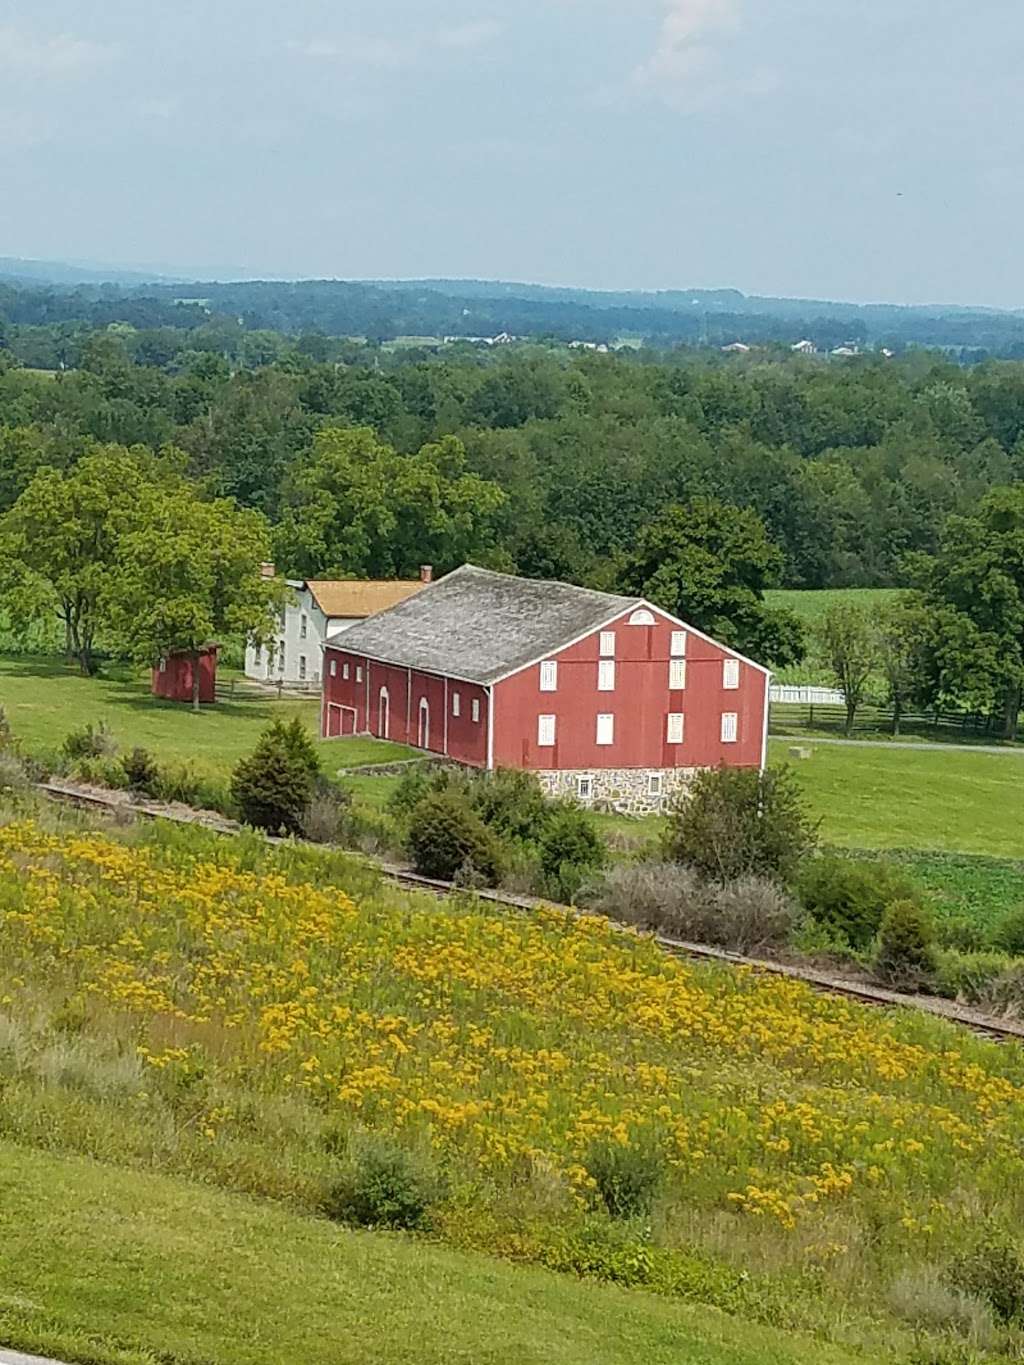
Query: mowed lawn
x=116, y=1267
x=879, y=797
x=45, y=699
x=811, y=604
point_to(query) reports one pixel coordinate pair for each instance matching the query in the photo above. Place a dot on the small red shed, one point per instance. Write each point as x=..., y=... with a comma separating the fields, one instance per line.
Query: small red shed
x=173, y=678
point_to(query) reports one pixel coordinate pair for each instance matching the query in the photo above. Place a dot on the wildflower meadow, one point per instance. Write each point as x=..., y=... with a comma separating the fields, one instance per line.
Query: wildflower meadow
x=243, y=1015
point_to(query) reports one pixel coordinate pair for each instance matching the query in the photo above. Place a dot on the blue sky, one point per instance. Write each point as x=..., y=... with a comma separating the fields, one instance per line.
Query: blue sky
x=866, y=150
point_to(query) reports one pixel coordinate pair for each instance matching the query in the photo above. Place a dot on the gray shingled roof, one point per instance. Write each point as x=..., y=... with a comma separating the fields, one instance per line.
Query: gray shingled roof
x=479, y=626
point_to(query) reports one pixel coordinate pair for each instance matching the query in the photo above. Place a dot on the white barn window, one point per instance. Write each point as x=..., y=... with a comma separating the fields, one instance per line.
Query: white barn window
x=730, y=724
x=674, y=732
x=359, y=673
x=606, y=729
x=678, y=643
x=677, y=675
x=345, y=672
x=456, y=704
x=334, y=668
x=642, y=617
x=731, y=674
x=545, y=731
x=585, y=788
x=476, y=709
x=549, y=676
x=606, y=675
x=607, y=644
x=654, y=784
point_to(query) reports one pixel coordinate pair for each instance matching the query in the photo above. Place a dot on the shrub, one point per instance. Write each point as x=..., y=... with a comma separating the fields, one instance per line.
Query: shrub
x=141, y=770
x=652, y=895
x=1009, y=933
x=570, y=848
x=326, y=819
x=736, y=821
x=905, y=953
x=968, y=976
x=923, y=1297
x=513, y=804
x=274, y=786
x=91, y=741
x=446, y=837
x=381, y=1184
x=752, y=914
x=13, y=776
x=992, y=1270
x=849, y=895
x=627, y=1178
x=100, y=771
x=415, y=783
x=961, y=932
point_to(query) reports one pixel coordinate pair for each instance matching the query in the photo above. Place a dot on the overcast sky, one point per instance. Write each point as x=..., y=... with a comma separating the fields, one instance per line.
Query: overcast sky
x=865, y=150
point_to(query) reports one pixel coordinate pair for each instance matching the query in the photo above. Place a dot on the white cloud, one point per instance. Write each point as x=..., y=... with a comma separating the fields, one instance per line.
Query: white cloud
x=61, y=54
x=469, y=35
x=684, y=50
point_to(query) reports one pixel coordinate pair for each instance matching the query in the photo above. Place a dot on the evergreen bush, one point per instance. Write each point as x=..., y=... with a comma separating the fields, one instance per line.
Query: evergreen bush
x=273, y=787
x=849, y=895
x=447, y=839
x=905, y=953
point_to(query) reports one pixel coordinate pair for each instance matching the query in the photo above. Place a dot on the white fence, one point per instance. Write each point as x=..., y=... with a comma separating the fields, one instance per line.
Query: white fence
x=806, y=696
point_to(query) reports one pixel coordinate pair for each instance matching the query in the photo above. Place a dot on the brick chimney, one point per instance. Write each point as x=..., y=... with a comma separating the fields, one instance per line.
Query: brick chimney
x=267, y=570
x=426, y=573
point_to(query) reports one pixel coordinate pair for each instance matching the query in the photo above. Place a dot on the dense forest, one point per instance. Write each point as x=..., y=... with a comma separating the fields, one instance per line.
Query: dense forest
x=380, y=311
x=852, y=466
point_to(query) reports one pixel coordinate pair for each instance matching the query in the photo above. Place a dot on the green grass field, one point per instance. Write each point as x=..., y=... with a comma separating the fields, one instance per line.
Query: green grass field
x=115, y=1267
x=950, y=801
x=44, y=700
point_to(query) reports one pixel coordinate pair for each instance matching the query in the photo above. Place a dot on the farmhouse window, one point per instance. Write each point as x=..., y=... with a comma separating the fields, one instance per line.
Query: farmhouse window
x=257, y=656
x=731, y=674
x=677, y=675
x=730, y=722
x=606, y=729
x=549, y=676
x=545, y=731
x=585, y=788
x=606, y=675
x=674, y=733
x=607, y=644
x=303, y=626
x=302, y=667
x=476, y=709
x=456, y=704
x=678, y=643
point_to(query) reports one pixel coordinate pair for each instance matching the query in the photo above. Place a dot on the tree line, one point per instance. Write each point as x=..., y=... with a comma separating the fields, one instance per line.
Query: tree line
x=696, y=482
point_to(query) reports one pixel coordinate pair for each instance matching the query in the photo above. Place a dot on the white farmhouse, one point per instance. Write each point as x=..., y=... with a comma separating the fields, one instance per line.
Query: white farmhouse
x=319, y=609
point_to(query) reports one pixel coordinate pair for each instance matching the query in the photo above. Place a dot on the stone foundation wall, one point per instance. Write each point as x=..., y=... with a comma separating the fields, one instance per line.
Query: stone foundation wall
x=626, y=790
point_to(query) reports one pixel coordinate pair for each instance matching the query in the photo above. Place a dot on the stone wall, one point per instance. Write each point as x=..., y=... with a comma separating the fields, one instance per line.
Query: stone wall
x=629, y=791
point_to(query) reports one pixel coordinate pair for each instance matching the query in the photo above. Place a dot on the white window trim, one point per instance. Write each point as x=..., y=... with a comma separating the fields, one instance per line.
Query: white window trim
x=730, y=674
x=546, y=730
x=679, y=644
x=475, y=710
x=727, y=717
x=549, y=675
x=456, y=704
x=605, y=729
x=359, y=673
x=676, y=723
x=345, y=672
x=606, y=675
x=334, y=668
x=607, y=644
x=655, y=784
x=677, y=675
x=585, y=779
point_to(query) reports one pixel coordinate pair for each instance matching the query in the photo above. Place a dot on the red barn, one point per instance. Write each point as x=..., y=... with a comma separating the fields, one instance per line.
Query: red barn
x=608, y=699
x=173, y=677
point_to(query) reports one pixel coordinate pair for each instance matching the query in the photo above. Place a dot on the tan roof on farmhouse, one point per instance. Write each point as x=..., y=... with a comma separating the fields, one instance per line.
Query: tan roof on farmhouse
x=355, y=599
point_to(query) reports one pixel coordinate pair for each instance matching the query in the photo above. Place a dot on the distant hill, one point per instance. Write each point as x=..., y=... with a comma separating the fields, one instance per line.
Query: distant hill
x=383, y=310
